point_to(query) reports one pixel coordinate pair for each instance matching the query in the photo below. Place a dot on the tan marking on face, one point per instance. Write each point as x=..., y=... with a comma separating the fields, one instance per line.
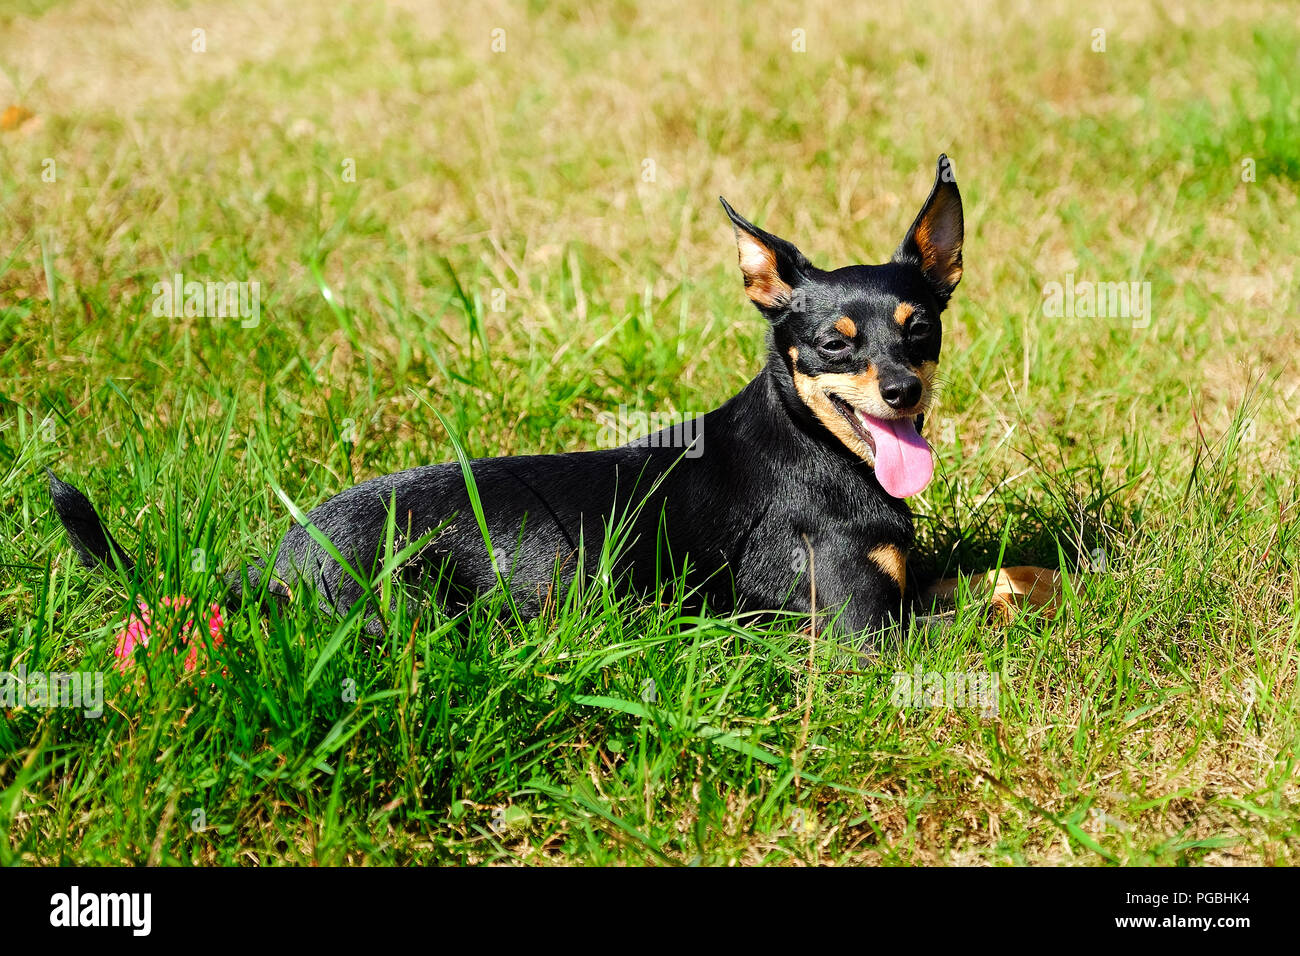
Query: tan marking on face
x=861, y=391
x=763, y=282
x=846, y=327
x=926, y=372
x=892, y=561
x=903, y=311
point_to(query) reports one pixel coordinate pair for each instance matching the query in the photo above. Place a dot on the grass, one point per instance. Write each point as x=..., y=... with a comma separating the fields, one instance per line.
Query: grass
x=504, y=258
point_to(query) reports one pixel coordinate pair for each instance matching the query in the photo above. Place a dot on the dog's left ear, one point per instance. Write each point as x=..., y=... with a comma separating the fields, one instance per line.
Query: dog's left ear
x=772, y=267
x=933, y=244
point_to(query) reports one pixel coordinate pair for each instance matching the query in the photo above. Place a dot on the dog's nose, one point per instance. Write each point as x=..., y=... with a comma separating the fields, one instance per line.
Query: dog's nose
x=902, y=392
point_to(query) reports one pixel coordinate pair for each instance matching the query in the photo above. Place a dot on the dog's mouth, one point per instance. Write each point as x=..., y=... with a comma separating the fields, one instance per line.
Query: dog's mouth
x=900, y=456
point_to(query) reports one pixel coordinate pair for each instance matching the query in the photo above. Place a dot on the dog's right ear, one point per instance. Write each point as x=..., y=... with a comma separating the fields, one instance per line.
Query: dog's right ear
x=772, y=267
x=933, y=244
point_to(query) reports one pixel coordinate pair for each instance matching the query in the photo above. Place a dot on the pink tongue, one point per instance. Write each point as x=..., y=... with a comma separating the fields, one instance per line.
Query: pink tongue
x=903, y=462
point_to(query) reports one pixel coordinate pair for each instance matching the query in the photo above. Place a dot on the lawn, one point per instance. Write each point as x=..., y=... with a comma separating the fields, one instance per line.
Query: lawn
x=506, y=214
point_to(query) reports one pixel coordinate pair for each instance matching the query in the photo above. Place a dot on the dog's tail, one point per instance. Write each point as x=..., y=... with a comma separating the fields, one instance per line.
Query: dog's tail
x=97, y=548
x=90, y=539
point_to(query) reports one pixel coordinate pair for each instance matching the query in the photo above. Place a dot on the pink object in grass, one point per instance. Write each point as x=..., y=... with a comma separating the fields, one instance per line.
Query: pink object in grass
x=140, y=627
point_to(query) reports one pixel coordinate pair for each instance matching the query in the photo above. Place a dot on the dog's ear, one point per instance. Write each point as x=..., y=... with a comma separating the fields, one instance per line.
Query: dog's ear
x=933, y=244
x=772, y=267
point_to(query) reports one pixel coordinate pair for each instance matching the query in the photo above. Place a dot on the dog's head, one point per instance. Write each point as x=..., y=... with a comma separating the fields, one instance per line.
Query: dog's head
x=859, y=346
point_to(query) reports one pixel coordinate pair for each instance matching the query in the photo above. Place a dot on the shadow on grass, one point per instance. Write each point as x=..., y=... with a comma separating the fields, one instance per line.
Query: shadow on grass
x=1069, y=520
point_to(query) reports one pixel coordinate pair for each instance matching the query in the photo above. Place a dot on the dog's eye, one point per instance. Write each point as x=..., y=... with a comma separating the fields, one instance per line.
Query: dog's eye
x=834, y=347
x=918, y=328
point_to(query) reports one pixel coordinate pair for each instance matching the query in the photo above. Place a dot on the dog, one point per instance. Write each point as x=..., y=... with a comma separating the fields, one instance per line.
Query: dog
x=799, y=495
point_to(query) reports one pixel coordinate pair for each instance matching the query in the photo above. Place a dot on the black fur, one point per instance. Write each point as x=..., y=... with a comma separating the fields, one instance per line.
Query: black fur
x=769, y=479
x=90, y=539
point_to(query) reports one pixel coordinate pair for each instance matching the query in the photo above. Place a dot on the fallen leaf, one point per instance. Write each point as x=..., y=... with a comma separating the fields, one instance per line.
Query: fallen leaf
x=14, y=117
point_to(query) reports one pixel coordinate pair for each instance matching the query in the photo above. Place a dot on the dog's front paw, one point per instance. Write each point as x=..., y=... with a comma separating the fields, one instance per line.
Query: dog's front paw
x=1015, y=589
x=1008, y=591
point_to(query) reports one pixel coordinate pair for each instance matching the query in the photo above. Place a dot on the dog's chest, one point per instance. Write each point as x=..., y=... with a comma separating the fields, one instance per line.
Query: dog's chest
x=790, y=547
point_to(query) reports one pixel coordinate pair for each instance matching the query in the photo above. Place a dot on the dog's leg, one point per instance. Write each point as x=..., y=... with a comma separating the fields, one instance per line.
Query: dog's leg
x=1007, y=591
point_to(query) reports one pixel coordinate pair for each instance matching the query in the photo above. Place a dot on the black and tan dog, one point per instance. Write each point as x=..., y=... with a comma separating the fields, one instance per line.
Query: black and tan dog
x=817, y=454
